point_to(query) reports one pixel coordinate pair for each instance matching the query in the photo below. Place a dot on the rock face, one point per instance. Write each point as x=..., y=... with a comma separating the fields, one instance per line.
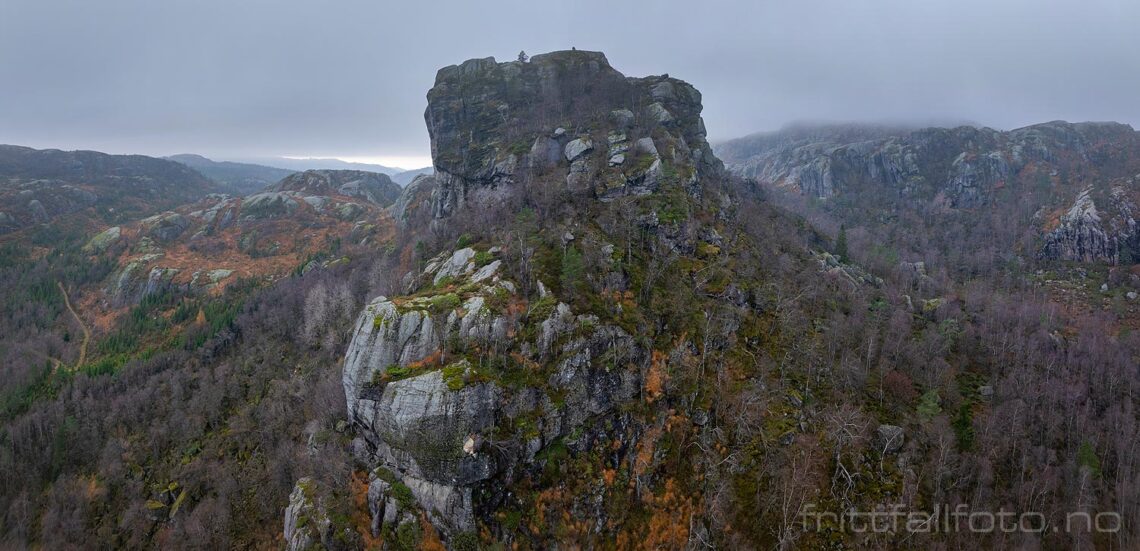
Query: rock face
x=878, y=171
x=103, y=240
x=370, y=186
x=494, y=127
x=306, y=523
x=1086, y=234
x=964, y=165
x=447, y=432
x=414, y=202
x=165, y=227
x=271, y=204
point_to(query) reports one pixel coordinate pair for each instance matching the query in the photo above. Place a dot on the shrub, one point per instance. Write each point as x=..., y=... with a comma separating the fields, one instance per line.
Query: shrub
x=465, y=541
x=403, y=495
x=929, y=406
x=483, y=258
x=444, y=303
x=543, y=307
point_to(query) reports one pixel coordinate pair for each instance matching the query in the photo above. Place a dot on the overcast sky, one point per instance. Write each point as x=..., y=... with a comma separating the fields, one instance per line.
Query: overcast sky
x=347, y=78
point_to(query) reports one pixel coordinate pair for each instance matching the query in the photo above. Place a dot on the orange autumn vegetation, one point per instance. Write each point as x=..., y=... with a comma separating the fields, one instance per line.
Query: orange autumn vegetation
x=430, y=540
x=361, y=516
x=655, y=377
x=668, y=525
x=645, y=447
x=669, y=522
x=552, y=507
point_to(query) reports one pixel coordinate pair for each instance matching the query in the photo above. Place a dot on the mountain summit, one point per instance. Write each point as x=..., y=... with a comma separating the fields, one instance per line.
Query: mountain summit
x=562, y=190
x=560, y=119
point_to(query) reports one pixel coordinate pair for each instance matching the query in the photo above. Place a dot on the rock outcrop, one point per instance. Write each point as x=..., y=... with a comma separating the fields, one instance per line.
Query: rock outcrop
x=1086, y=234
x=370, y=186
x=963, y=165
x=474, y=383
x=449, y=432
x=307, y=525
x=976, y=173
x=414, y=202
x=205, y=246
x=564, y=119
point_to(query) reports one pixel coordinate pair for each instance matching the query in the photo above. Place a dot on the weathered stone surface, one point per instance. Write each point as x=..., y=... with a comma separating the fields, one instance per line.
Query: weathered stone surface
x=370, y=186
x=486, y=271
x=1086, y=234
x=415, y=200
x=103, y=240
x=506, y=105
x=268, y=205
x=974, y=176
x=545, y=153
x=622, y=118
x=577, y=148
x=165, y=227
x=660, y=114
x=134, y=281
x=306, y=522
x=457, y=264
x=431, y=428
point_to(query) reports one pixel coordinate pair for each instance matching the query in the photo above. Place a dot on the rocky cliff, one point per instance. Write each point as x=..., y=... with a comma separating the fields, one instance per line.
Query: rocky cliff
x=565, y=119
x=936, y=171
x=1086, y=233
x=491, y=366
x=451, y=426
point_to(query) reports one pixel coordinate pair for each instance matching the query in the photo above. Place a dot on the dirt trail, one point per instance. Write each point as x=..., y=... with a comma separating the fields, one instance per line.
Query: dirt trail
x=83, y=326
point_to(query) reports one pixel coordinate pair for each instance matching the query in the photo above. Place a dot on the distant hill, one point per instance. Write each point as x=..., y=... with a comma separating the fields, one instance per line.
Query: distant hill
x=39, y=186
x=406, y=177
x=238, y=178
x=301, y=165
x=370, y=186
x=1066, y=191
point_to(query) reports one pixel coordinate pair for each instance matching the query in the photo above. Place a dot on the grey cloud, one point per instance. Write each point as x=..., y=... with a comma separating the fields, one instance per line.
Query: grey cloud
x=255, y=78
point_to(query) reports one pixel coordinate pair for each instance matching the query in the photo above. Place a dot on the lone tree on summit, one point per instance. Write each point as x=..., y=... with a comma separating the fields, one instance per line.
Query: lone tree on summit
x=522, y=56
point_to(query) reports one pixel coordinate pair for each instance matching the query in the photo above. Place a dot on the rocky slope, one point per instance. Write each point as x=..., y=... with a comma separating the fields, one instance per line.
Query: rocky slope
x=441, y=425
x=206, y=245
x=369, y=186
x=1054, y=168
x=600, y=337
x=1086, y=233
x=404, y=178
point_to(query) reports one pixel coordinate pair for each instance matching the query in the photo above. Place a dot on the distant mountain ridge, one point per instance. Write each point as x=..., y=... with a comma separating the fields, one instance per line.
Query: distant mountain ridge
x=1072, y=184
x=240, y=178
x=38, y=186
x=244, y=178
x=301, y=165
x=406, y=177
